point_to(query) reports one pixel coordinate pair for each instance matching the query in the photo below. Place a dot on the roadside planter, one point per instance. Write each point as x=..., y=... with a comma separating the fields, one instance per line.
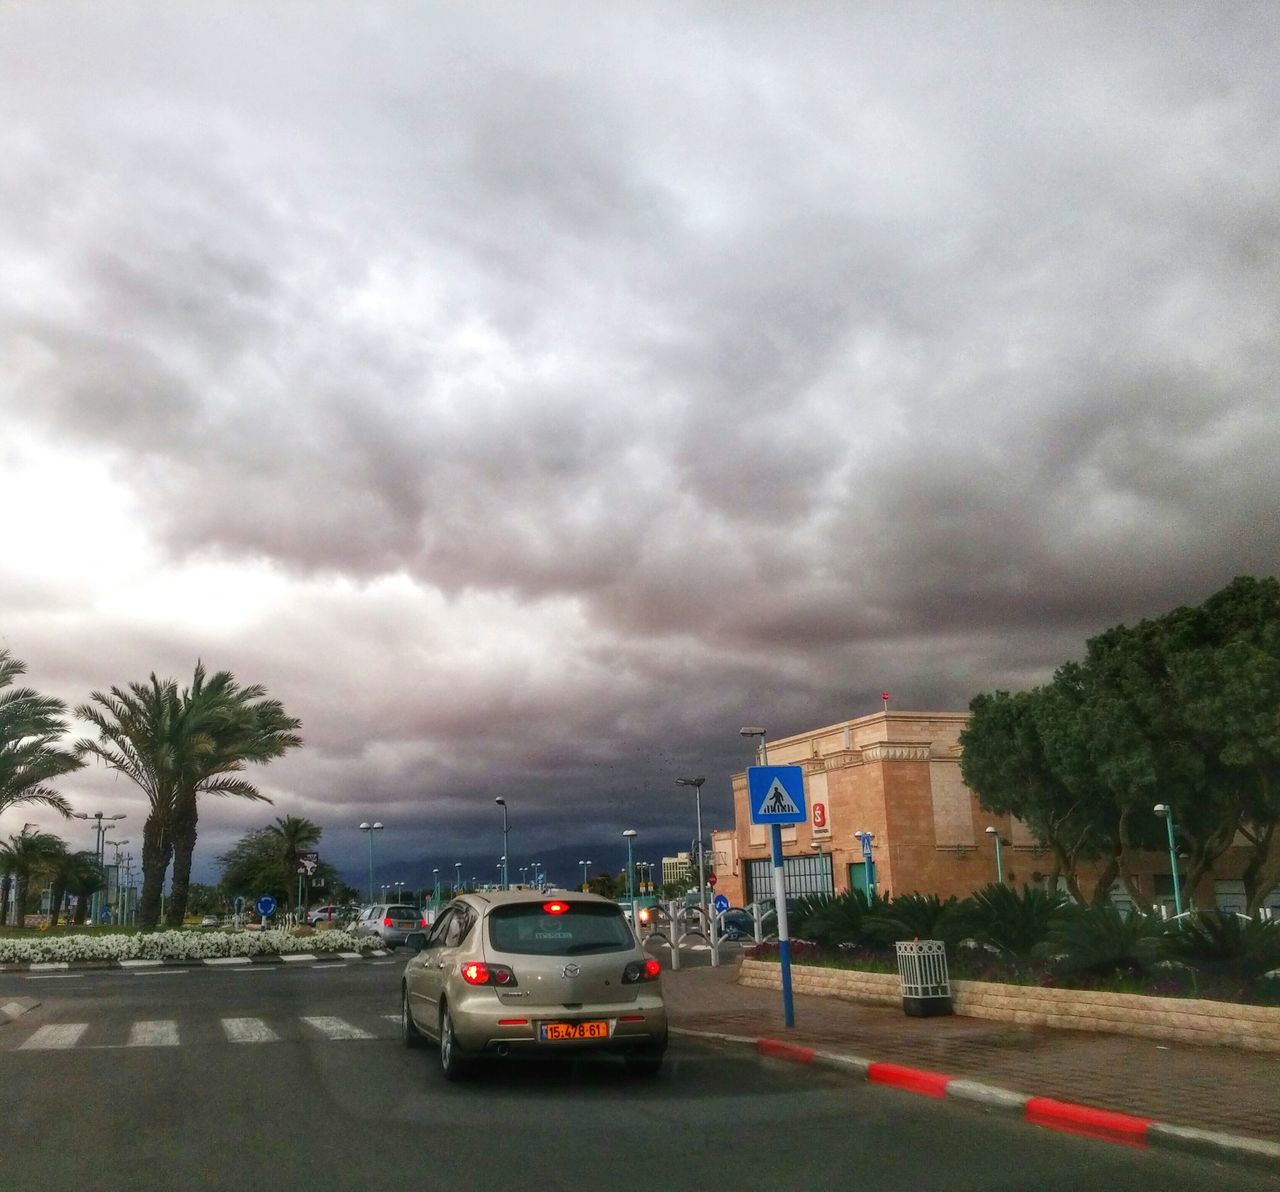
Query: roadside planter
x=175, y=945
x=1182, y=1020
x=922, y=969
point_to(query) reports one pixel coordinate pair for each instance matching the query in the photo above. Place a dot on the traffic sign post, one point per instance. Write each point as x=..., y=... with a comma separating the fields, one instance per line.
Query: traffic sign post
x=720, y=904
x=265, y=906
x=776, y=795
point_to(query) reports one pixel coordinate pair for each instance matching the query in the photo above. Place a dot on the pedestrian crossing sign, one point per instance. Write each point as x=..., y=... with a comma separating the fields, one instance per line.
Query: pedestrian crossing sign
x=776, y=794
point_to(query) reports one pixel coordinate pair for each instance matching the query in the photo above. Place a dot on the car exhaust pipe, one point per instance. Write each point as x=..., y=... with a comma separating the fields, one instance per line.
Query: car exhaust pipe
x=504, y=1049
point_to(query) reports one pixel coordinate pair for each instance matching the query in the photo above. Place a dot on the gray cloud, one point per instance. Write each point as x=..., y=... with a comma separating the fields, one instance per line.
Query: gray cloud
x=579, y=388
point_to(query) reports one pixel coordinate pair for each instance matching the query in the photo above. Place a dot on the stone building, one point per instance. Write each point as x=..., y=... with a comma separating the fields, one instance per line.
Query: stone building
x=894, y=778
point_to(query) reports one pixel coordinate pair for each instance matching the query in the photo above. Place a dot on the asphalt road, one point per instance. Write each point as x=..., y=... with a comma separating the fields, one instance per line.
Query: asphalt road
x=132, y=1080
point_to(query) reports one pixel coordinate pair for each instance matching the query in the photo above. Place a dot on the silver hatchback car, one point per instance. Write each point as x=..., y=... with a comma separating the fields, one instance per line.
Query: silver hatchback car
x=535, y=974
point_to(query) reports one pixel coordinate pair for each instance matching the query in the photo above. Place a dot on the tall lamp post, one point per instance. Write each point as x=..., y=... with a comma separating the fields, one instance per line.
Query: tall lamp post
x=630, y=835
x=435, y=887
x=1165, y=812
x=585, y=865
x=506, y=852
x=98, y=826
x=696, y=783
x=994, y=833
x=369, y=829
x=117, y=845
x=457, y=876
x=539, y=878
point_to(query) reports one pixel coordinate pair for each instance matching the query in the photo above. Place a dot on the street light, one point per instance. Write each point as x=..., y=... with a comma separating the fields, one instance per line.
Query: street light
x=99, y=851
x=506, y=851
x=539, y=878
x=630, y=835
x=435, y=887
x=1165, y=812
x=524, y=869
x=457, y=876
x=584, y=865
x=696, y=783
x=369, y=830
x=994, y=833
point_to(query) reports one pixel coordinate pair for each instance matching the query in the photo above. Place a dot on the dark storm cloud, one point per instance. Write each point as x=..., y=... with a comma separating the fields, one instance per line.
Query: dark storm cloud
x=589, y=386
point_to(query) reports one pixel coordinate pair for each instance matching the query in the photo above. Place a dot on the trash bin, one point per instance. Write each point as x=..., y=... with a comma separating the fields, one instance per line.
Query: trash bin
x=922, y=968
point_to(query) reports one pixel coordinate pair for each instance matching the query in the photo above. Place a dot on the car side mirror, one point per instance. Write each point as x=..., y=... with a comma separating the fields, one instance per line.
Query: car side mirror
x=417, y=940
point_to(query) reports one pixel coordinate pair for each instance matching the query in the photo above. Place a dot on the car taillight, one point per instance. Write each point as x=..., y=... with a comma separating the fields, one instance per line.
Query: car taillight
x=641, y=970
x=476, y=972
x=423, y=923
x=555, y=908
x=387, y=921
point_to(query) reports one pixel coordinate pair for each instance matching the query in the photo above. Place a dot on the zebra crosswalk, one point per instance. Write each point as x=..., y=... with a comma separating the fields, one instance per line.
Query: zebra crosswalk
x=66, y=1036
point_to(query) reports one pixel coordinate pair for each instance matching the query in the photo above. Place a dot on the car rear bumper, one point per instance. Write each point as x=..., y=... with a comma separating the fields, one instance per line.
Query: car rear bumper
x=483, y=1025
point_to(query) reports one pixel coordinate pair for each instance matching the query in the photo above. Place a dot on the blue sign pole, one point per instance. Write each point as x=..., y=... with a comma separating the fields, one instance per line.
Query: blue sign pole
x=784, y=936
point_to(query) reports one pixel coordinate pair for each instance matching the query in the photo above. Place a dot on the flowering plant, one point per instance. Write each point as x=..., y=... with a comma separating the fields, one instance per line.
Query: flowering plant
x=178, y=945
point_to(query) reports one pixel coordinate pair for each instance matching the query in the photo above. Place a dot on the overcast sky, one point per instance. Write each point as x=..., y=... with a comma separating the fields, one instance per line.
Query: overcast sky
x=531, y=395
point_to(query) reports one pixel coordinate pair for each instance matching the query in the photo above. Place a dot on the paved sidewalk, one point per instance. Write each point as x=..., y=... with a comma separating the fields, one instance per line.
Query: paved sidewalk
x=1210, y=1088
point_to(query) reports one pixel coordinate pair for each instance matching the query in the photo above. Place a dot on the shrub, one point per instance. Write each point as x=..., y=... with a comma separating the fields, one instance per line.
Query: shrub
x=916, y=917
x=1228, y=945
x=1100, y=941
x=1012, y=922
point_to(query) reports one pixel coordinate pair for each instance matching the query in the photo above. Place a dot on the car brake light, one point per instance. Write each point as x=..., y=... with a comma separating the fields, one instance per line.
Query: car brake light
x=387, y=921
x=641, y=970
x=423, y=923
x=555, y=908
x=476, y=972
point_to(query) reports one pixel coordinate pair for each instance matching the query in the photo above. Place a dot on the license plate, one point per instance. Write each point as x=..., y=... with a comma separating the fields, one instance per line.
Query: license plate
x=566, y=1032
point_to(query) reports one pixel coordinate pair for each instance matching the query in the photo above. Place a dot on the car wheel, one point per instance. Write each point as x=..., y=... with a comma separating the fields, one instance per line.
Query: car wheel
x=452, y=1062
x=647, y=1062
x=409, y=1034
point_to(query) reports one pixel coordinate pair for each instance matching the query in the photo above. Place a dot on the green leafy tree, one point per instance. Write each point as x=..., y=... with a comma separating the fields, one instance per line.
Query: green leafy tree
x=29, y=857
x=31, y=725
x=292, y=836
x=83, y=881
x=68, y=873
x=607, y=885
x=203, y=899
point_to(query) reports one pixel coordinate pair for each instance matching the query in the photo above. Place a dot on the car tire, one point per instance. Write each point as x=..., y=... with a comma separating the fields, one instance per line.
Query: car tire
x=410, y=1036
x=645, y=1063
x=453, y=1064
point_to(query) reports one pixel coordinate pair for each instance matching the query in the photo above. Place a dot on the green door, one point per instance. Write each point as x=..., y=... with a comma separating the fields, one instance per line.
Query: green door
x=858, y=877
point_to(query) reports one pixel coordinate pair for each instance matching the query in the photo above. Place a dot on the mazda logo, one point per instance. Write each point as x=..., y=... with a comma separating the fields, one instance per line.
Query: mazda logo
x=570, y=970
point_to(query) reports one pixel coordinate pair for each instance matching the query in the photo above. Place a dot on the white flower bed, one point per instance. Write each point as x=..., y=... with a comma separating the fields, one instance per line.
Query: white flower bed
x=178, y=945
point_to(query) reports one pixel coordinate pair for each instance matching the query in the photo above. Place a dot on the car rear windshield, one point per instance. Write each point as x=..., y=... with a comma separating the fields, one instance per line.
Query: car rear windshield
x=401, y=912
x=583, y=928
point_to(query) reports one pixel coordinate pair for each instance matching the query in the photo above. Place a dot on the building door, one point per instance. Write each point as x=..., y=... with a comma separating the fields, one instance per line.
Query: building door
x=858, y=877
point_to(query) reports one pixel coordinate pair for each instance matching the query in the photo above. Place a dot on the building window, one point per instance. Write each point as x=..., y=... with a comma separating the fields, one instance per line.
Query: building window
x=800, y=876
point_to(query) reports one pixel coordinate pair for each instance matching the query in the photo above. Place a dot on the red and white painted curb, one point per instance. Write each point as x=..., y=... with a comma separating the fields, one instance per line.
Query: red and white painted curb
x=1088, y=1120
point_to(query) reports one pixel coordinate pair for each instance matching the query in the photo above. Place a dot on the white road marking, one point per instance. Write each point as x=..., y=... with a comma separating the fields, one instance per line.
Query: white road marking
x=335, y=1028
x=351, y=955
x=158, y=972
x=57, y=977
x=153, y=1034
x=50, y=964
x=130, y=964
x=248, y=1030
x=55, y=1037
x=217, y=960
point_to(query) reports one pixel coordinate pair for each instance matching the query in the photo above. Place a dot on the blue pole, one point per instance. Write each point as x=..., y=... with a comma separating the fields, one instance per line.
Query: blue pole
x=784, y=937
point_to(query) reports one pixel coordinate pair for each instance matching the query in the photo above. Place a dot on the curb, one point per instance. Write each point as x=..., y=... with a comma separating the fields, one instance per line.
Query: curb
x=280, y=958
x=1086, y=1120
x=10, y=1011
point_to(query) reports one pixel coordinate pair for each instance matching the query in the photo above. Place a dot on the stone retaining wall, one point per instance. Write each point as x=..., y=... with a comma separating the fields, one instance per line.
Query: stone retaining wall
x=1182, y=1019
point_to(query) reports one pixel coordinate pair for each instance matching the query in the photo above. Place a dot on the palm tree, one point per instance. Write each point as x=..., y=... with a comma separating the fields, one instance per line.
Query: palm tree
x=30, y=726
x=141, y=735
x=28, y=856
x=291, y=836
x=74, y=873
x=177, y=746
x=239, y=726
x=85, y=880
